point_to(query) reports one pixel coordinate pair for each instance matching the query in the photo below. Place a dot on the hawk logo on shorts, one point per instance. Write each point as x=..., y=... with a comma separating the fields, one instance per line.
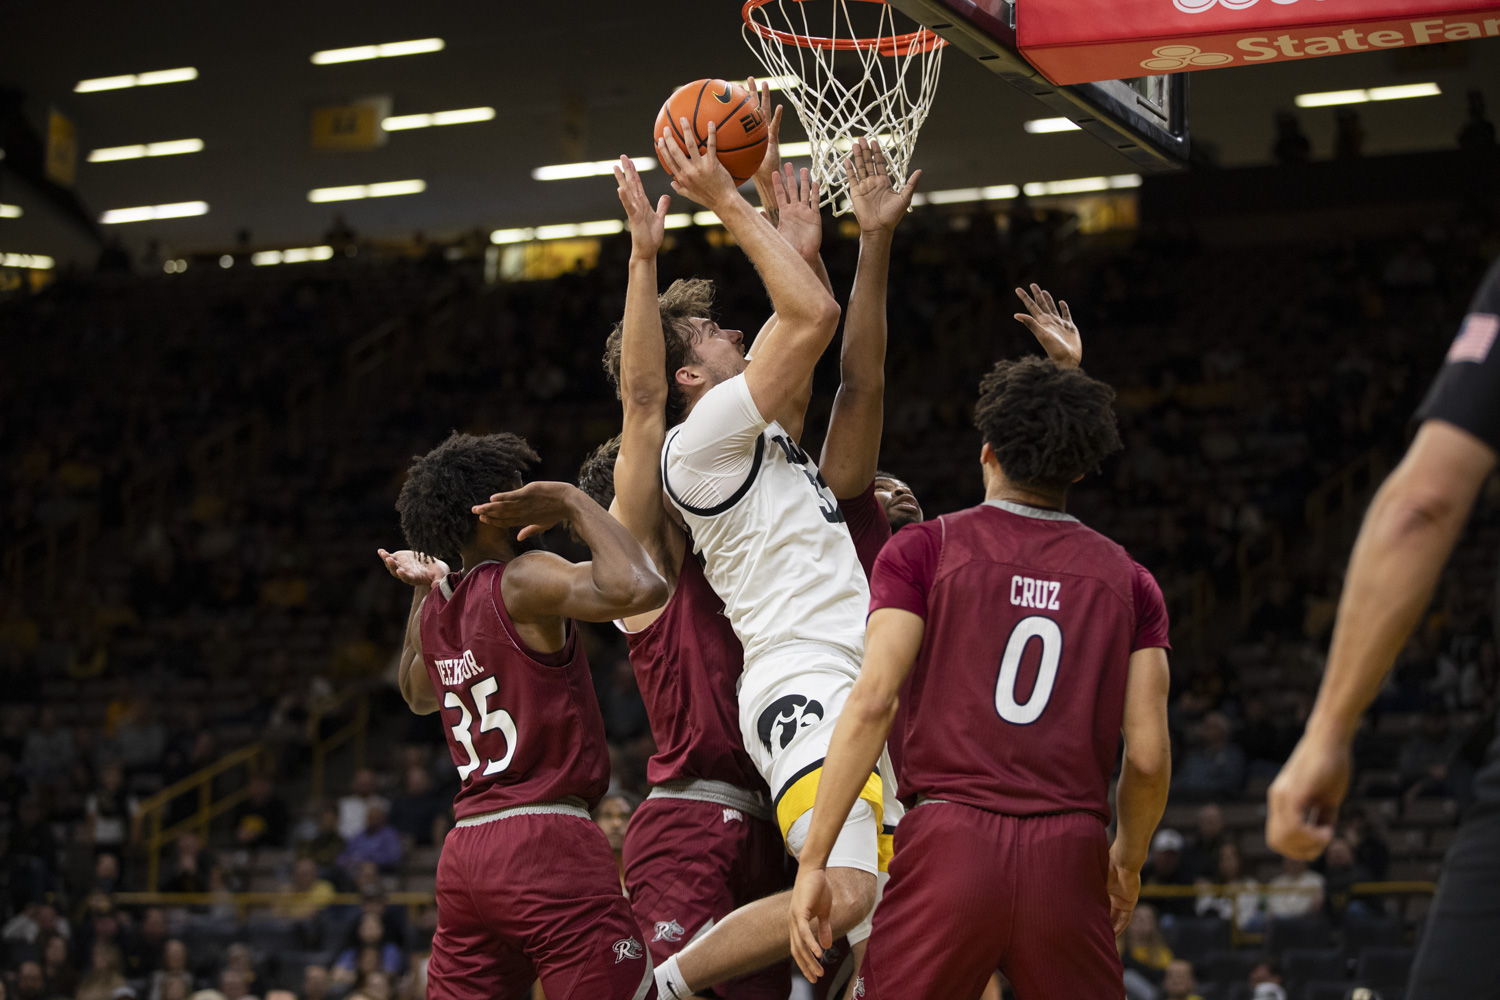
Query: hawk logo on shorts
x=668, y=930
x=784, y=717
x=627, y=948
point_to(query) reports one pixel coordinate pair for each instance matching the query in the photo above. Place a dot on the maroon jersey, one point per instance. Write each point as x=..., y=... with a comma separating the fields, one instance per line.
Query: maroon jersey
x=688, y=664
x=523, y=727
x=867, y=526
x=1018, y=692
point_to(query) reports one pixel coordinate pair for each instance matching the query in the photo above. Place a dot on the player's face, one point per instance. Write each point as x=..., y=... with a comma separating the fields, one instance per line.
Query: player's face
x=901, y=507
x=720, y=352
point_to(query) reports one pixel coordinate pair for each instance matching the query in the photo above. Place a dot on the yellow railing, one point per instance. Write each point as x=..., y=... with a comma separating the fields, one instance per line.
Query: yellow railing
x=245, y=901
x=252, y=758
x=354, y=731
x=34, y=563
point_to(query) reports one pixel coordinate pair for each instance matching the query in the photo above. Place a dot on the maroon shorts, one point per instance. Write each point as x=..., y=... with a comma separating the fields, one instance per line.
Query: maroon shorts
x=973, y=891
x=534, y=896
x=689, y=863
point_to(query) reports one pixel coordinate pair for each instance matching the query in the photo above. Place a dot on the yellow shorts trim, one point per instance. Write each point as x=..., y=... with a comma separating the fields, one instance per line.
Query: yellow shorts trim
x=887, y=848
x=799, y=796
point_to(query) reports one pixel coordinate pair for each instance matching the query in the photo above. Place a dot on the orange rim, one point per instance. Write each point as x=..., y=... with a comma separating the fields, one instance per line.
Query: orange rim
x=921, y=40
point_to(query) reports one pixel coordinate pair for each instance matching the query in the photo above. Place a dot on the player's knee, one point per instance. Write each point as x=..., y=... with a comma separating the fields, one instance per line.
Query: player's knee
x=853, y=897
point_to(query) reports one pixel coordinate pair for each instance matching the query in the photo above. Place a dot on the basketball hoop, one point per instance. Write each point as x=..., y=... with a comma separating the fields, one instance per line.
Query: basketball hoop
x=891, y=92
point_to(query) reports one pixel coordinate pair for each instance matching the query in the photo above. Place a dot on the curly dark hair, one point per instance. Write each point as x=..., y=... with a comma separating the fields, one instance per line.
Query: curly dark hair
x=683, y=300
x=1047, y=425
x=442, y=485
x=596, y=476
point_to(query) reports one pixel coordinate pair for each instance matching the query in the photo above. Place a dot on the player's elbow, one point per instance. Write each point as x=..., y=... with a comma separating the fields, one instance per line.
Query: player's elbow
x=1149, y=761
x=1416, y=509
x=645, y=591
x=825, y=313
x=872, y=709
x=650, y=397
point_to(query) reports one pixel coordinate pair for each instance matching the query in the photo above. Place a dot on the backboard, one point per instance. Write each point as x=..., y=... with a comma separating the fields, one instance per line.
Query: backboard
x=1145, y=118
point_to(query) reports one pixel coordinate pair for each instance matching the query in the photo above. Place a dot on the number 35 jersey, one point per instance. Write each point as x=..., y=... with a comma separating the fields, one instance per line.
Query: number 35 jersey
x=775, y=546
x=1018, y=693
x=523, y=727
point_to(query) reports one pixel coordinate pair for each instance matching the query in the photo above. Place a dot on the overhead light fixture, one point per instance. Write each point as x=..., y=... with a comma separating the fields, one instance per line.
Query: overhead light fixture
x=1331, y=97
x=181, y=75
x=352, y=192
x=34, y=261
x=385, y=51
x=296, y=255
x=678, y=220
x=177, y=210
x=462, y=117
x=174, y=266
x=226, y=261
x=1041, y=126
x=173, y=148
x=597, y=168
x=10, y=211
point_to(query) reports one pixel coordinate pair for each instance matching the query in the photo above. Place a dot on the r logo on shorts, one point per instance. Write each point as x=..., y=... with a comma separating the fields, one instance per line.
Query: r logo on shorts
x=668, y=930
x=783, y=717
x=627, y=948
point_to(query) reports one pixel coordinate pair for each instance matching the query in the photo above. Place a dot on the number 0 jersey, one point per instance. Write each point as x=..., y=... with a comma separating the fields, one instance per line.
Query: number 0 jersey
x=775, y=546
x=1018, y=693
x=523, y=727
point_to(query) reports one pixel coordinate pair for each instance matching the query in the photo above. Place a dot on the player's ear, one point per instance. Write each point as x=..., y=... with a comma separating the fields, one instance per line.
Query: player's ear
x=688, y=378
x=987, y=456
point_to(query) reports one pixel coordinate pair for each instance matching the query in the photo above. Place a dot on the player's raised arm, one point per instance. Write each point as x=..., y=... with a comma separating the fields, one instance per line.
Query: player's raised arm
x=851, y=449
x=643, y=382
x=807, y=313
x=1145, y=777
x=421, y=572
x=1408, y=534
x=620, y=581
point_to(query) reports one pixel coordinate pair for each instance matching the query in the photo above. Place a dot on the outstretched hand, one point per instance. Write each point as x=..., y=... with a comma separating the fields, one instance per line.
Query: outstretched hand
x=878, y=206
x=811, y=918
x=415, y=569
x=801, y=223
x=770, y=164
x=647, y=226
x=1051, y=323
x=699, y=176
x=533, y=508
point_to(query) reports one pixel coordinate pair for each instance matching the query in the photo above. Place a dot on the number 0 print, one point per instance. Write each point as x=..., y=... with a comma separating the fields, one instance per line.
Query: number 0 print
x=498, y=719
x=1035, y=627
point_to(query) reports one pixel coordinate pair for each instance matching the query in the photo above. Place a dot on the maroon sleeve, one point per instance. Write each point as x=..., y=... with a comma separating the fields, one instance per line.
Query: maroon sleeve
x=1151, y=625
x=867, y=526
x=906, y=568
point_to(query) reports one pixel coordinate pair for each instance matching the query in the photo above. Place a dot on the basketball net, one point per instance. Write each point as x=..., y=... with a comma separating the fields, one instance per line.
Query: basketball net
x=885, y=94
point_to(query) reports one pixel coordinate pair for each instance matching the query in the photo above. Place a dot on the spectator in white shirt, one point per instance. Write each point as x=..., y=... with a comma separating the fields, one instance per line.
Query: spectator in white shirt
x=1301, y=891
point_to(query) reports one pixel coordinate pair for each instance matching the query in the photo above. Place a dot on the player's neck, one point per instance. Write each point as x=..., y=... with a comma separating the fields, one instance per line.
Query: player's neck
x=998, y=487
x=497, y=550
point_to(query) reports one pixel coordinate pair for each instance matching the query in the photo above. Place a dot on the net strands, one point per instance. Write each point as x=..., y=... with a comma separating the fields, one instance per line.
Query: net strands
x=852, y=85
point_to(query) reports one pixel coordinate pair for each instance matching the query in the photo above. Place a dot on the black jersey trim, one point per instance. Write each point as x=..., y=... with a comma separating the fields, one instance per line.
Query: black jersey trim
x=804, y=772
x=738, y=495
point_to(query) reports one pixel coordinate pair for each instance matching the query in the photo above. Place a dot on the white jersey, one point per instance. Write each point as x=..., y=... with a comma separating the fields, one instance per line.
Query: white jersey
x=775, y=546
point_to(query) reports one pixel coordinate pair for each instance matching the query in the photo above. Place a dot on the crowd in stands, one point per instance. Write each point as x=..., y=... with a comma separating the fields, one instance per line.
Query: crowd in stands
x=196, y=571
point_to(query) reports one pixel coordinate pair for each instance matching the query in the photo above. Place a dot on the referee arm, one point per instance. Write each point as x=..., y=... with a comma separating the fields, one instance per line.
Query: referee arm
x=1407, y=536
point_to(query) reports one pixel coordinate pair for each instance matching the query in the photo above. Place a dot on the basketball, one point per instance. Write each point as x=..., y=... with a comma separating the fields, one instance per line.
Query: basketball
x=740, y=125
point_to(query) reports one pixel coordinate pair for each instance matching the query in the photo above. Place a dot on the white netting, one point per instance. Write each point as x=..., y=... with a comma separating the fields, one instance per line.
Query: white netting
x=847, y=79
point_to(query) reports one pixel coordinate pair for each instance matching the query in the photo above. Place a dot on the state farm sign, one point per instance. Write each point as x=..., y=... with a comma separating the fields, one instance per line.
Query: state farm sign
x=1078, y=41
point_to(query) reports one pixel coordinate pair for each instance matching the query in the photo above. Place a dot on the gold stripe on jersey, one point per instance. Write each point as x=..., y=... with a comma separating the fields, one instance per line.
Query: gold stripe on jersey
x=798, y=798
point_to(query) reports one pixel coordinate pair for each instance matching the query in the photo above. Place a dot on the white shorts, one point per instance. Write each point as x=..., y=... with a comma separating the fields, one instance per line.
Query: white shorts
x=790, y=700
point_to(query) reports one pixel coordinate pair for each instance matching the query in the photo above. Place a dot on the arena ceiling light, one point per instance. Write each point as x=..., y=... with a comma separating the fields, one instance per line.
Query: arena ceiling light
x=174, y=148
x=34, y=261
x=10, y=211
x=145, y=213
x=1041, y=126
x=181, y=75
x=385, y=51
x=296, y=255
x=352, y=192
x=597, y=168
x=462, y=117
x=1331, y=97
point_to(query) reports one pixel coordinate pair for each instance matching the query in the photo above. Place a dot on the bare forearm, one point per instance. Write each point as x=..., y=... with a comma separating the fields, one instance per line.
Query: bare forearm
x=621, y=571
x=1140, y=800
x=416, y=686
x=863, y=726
x=862, y=361
x=643, y=352
x=796, y=293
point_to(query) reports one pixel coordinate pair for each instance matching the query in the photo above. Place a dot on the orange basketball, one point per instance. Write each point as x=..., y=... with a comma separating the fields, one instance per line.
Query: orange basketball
x=739, y=124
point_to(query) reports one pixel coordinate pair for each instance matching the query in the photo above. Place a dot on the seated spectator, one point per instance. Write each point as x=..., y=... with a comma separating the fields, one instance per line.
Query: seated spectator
x=233, y=986
x=378, y=842
x=187, y=869
x=177, y=988
x=142, y=739
x=104, y=975
x=1216, y=768
x=352, y=820
x=106, y=873
x=31, y=984
x=261, y=820
x=308, y=892
x=1265, y=981
x=143, y=949
x=174, y=966
x=315, y=983
x=612, y=816
x=376, y=985
x=1301, y=891
x=1340, y=873
x=372, y=938
x=1144, y=953
x=38, y=920
x=48, y=754
x=326, y=846
x=1363, y=834
x=420, y=812
x=1179, y=983
x=1202, y=855
x=1230, y=895
x=61, y=979
x=1165, y=867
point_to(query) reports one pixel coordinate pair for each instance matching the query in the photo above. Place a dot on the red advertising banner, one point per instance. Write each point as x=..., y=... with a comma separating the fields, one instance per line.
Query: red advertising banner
x=1080, y=41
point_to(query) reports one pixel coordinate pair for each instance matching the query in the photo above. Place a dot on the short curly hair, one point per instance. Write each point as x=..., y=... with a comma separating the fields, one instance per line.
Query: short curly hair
x=443, y=486
x=1047, y=425
x=684, y=299
x=596, y=476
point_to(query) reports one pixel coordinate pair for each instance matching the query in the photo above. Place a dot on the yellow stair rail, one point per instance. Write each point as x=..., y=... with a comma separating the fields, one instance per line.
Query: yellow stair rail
x=354, y=731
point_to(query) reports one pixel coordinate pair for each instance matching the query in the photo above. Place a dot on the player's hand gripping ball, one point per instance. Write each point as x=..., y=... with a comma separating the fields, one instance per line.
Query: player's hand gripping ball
x=738, y=123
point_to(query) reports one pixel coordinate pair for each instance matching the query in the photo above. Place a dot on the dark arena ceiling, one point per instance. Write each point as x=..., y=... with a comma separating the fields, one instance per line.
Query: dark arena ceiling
x=568, y=81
